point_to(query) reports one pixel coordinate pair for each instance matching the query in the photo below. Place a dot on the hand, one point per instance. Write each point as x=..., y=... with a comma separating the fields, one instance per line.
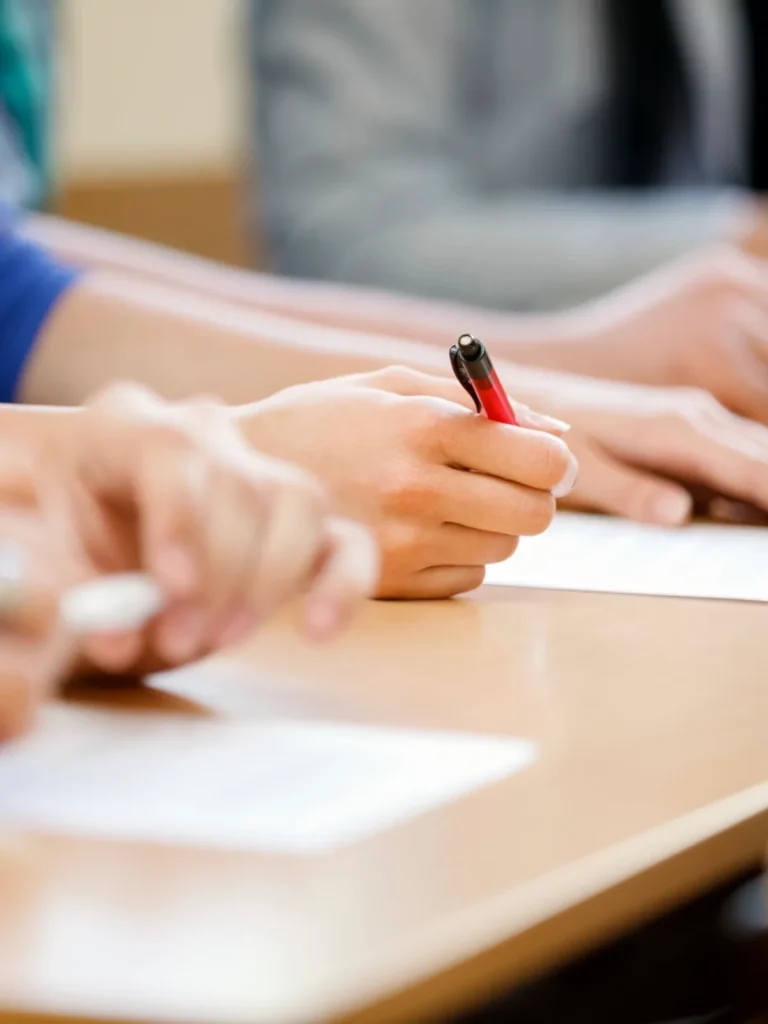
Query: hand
x=393, y=448
x=34, y=568
x=751, y=233
x=701, y=322
x=643, y=452
x=135, y=483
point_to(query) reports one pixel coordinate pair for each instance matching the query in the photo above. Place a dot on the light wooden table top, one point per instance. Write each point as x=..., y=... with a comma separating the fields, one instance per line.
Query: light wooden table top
x=652, y=718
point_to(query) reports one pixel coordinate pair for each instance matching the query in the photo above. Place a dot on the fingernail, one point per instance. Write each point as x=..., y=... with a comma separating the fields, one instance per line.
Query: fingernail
x=672, y=508
x=322, y=618
x=240, y=626
x=568, y=481
x=539, y=421
x=176, y=569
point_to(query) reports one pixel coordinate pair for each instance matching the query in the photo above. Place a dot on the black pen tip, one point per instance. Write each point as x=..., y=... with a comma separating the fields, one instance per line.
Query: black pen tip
x=469, y=346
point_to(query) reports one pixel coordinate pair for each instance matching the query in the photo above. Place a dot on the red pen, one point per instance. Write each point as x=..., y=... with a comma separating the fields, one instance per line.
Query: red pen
x=474, y=371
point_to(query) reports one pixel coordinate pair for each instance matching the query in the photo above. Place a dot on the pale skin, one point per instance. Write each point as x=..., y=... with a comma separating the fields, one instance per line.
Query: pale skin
x=131, y=482
x=395, y=452
x=181, y=343
x=701, y=322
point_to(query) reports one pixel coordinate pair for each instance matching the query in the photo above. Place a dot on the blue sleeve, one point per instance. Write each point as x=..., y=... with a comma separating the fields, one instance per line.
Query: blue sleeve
x=31, y=283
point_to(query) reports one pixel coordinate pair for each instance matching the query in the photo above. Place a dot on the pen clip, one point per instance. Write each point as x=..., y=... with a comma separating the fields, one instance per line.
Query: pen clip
x=461, y=375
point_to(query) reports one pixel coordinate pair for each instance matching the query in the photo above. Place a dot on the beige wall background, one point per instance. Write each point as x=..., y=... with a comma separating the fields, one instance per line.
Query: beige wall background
x=153, y=86
x=151, y=123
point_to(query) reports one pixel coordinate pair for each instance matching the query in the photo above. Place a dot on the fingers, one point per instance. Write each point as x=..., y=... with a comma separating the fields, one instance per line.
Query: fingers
x=293, y=540
x=402, y=380
x=32, y=652
x=348, y=574
x=30, y=667
x=712, y=447
x=438, y=582
x=494, y=506
x=687, y=435
x=173, y=482
x=743, y=385
x=528, y=457
x=201, y=525
x=459, y=546
x=227, y=534
x=407, y=382
x=608, y=486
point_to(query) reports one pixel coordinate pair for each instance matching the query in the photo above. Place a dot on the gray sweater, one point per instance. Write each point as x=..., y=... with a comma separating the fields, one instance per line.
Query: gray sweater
x=456, y=148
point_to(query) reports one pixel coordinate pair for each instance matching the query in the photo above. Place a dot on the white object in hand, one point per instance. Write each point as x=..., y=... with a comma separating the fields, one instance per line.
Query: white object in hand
x=111, y=604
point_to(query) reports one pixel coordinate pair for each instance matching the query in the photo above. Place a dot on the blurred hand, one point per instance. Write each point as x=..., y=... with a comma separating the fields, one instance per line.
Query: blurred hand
x=35, y=567
x=701, y=322
x=394, y=449
x=135, y=483
x=752, y=229
x=644, y=451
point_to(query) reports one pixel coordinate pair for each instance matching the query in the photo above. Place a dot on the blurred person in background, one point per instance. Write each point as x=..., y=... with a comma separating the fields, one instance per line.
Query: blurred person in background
x=516, y=154
x=26, y=60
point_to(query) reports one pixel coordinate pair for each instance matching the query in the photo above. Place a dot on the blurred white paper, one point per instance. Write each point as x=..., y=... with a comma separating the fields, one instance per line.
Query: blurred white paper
x=294, y=787
x=581, y=552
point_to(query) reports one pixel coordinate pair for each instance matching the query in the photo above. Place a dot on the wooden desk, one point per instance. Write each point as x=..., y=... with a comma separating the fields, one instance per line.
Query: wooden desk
x=652, y=716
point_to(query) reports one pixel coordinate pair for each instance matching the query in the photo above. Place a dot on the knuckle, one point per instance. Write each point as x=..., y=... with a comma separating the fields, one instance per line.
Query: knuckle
x=207, y=400
x=205, y=422
x=468, y=579
x=397, y=376
x=123, y=396
x=401, y=549
x=539, y=513
x=554, y=457
x=500, y=548
x=426, y=416
x=433, y=425
x=170, y=434
x=404, y=490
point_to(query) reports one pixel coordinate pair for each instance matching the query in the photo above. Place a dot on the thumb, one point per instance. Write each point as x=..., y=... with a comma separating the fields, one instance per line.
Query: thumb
x=605, y=485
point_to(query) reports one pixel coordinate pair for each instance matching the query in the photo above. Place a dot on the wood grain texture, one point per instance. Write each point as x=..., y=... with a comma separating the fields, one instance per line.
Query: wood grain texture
x=651, y=785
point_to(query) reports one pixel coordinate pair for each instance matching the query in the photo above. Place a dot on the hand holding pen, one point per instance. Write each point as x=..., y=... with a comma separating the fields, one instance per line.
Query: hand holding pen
x=474, y=370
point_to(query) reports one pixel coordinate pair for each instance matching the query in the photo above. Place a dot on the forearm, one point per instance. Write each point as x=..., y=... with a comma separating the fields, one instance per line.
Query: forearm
x=558, y=341
x=110, y=327
x=106, y=328
x=321, y=302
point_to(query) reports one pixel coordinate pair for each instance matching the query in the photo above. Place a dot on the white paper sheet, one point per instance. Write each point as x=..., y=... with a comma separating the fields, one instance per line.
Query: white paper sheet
x=274, y=786
x=581, y=552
